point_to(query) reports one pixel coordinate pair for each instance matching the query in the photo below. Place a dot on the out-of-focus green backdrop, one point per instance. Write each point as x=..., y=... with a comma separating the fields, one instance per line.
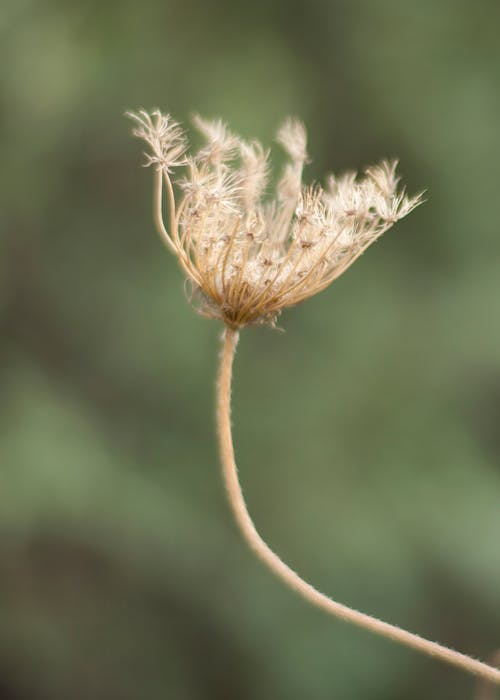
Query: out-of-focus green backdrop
x=367, y=434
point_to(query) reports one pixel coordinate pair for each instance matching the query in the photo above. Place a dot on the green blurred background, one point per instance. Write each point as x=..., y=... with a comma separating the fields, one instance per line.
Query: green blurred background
x=367, y=434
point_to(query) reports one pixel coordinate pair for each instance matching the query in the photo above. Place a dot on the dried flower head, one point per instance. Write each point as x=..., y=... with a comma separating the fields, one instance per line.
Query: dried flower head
x=247, y=256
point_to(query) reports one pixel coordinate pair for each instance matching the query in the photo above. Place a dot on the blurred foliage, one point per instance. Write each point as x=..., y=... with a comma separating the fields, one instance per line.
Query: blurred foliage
x=367, y=435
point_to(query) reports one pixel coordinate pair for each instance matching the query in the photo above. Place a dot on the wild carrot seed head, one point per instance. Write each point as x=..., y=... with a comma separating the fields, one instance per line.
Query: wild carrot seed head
x=246, y=256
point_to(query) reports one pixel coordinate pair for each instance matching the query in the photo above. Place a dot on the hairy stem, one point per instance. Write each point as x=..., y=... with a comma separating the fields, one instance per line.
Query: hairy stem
x=284, y=572
x=485, y=690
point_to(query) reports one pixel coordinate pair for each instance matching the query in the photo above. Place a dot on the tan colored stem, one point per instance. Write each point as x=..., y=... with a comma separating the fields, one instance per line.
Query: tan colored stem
x=284, y=572
x=485, y=690
x=174, y=245
x=158, y=211
x=174, y=230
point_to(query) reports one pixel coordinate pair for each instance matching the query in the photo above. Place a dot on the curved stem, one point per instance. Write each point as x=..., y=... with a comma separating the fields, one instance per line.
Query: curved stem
x=175, y=245
x=158, y=211
x=282, y=570
x=174, y=225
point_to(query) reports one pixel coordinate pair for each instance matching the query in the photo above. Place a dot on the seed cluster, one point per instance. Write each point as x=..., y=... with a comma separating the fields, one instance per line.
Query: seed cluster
x=247, y=256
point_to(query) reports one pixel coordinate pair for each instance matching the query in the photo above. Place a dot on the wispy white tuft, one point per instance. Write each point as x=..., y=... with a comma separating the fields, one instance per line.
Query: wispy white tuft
x=221, y=144
x=293, y=137
x=164, y=137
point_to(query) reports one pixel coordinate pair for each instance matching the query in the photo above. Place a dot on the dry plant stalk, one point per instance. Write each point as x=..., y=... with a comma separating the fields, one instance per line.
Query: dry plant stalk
x=486, y=690
x=246, y=258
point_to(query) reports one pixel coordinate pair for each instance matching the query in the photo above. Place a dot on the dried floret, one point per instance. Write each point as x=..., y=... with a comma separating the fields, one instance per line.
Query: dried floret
x=164, y=137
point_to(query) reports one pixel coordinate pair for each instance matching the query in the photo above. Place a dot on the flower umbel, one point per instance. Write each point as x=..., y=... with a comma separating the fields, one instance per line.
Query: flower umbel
x=248, y=256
